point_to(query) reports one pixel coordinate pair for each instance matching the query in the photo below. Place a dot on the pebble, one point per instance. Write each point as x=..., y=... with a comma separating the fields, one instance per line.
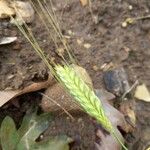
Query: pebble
x=124, y=24
x=130, y=7
x=80, y=120
x=95, y=68
x=116, y=81
x=11, y=76
x=17, y=46
x=87, y=45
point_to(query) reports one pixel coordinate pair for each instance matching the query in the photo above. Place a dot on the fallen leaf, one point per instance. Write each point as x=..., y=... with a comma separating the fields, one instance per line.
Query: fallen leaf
x=7, y=40
x=5, y=10
x=107, y=141
x=127, y=108
x=61, y=97
x=84, y=2
x=142, y=93
x=105, y=95
x=6, y=96
x=116, y=117
x=56, y=98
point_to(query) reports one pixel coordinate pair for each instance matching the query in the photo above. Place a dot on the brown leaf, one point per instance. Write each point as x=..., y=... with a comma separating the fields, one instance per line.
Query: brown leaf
x=84, y=2
x=61, y=97
x=142, y=93
x=127, y=108
x=6, y=96
x=107, y=141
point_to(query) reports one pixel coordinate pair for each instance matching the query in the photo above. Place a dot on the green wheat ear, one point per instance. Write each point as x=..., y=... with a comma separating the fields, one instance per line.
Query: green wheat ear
x=84, y=95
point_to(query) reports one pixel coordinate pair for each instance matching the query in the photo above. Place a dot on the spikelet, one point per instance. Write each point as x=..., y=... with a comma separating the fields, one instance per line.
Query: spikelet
x=84, y=95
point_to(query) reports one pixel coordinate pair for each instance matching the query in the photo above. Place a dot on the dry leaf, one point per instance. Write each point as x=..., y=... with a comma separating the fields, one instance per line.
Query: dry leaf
x=107, y=141
x=127, y=108
x=58, y=94
x=7, y=40
x=142, y=93
x=6, y=96
x=84, y=2
x=5, y=9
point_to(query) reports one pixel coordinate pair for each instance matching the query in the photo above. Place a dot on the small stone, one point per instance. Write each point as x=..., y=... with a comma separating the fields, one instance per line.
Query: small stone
x=17, y=46
x=95, y=19
x=60, y=51
x=87, y=45
x=41, y=137
x=67, y=118
x=79, y=41
x=124, y=24
x=80, y=120
x=116, y=81
x=95, y=68
x=130, y=7
x=30, y=67
x=11, y=76
x=70, y=32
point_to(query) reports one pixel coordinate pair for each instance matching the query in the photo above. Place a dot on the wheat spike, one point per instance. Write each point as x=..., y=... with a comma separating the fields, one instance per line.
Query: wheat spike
x=84, y=95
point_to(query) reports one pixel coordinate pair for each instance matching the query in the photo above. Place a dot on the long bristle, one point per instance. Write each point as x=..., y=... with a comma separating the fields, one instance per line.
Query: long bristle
x=65, y=74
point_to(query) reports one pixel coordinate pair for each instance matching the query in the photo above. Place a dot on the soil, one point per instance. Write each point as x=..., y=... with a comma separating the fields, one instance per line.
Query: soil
x=101, y=27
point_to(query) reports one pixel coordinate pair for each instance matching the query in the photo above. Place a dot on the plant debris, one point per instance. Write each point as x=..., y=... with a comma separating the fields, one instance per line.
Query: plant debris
x=58, y=94
x=142, y=93
x=7, y=40
x=84, y=2
x=8, y=95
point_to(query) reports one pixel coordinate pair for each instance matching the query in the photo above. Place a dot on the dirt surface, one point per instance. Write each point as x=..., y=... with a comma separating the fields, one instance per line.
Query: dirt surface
x=101, y=28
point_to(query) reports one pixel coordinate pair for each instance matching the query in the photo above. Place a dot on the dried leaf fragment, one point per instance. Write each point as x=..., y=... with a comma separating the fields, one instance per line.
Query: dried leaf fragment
x=7, y=40
x=84, y=2
x=6, y=96
x=142, y=93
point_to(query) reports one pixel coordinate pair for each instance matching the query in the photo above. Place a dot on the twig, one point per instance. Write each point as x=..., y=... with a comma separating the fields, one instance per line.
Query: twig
x=132, y=87
x=57, y=105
